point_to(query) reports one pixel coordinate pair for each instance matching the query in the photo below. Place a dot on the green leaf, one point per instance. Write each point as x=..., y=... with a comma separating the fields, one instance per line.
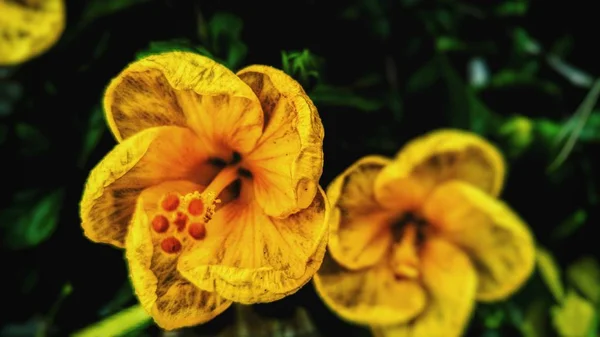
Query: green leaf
x=33, y=142
x=157, y=47
x=10, y=92
x=573, y=74
x=524, y=43
x=448, y=43
x=570, y=225
x=98, y=8
x=572, y=129
x=591, y=130
x=466, y=110
x=328, y=95
x=510, y=77
x=119, y=324
x=121, y=298
x=550, y=273
x=95, y=128
x=32, y=220
x=493, y=319
x=575, y=317
x=512, y=8
x=584, y=275
x=546, y=131
x=225, y=34
x=517, y=131
x=424, y=77
x=301, y=65
x=535, y=318
x=563, y=46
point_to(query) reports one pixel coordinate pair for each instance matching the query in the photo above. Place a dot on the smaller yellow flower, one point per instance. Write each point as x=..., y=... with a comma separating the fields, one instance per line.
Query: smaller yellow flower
x=416, y=240
x=28, y=28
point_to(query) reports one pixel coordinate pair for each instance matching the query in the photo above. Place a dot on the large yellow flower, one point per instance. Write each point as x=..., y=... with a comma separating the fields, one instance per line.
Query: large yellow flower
x=416, y=240
x=28, y=28
x=213, y=190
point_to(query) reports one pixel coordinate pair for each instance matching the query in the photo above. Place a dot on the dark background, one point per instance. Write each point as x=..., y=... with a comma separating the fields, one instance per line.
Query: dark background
x=387, y=71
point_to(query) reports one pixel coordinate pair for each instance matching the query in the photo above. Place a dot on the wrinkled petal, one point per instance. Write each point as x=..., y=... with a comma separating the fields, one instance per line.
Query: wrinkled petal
x=29, y=28
x=359, y=226
x=146, y=159
x=248, y=257
x=170, y=299
x=370, y=296
x=288, y=159
x=437, y=157
x=497, y=240
x=181, y=88
x=451, y=282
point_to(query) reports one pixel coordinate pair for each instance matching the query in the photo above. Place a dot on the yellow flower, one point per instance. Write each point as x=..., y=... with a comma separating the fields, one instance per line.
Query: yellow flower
x=416, y=240
x=28, y=28
x=213, y=189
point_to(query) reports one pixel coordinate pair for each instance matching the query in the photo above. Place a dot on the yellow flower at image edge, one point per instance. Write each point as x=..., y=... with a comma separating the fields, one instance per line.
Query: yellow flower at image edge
x=213, y=189
x=416, y=240
x=28, y=28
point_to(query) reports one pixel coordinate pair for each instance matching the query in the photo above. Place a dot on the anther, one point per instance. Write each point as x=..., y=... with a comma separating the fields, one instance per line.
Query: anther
x=170, y=245
x=196, y=207
x=197, y=230
x=170, y=202
x=180, y=221
x=160, y=224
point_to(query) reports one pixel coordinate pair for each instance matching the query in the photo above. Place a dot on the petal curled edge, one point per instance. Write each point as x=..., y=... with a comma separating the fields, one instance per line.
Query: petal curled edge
x=451, y=282
x=248, y=257
x=29, y=28
x=437, y=157
x=171, y=300
x=358, y=226
x=148, y=158
x=288, y=159
x=182, y=88
x=370, y=296
x=499, y=243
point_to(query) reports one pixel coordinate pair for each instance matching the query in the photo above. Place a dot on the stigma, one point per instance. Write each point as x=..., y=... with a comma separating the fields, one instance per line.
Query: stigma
x=179, y=218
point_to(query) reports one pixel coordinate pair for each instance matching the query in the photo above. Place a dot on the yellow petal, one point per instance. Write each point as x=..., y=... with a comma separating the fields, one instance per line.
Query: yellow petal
x=359, y=226
x=146, y=159
x=437, y=157
x=29, y=28
x=248, y=257
x=181, y=88
x=288, y=159
x=370, y=296
x=170, y=299
x=500, y=244
x=451, y=283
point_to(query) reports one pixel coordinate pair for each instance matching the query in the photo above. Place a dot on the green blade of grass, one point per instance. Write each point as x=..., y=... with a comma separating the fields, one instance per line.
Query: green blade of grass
x=581, y=116
x=124, y=321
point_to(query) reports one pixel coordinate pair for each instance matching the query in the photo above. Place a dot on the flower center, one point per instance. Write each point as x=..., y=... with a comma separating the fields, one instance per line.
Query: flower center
x=180, y=219
x=408, y=235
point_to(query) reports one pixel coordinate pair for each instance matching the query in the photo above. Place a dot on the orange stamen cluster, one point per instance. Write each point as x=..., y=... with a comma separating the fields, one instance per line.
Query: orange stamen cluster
x=189, y=212
x=196, y=207
x=160, y=224
x=170, y=245
x=180, y=221
x=197, y=230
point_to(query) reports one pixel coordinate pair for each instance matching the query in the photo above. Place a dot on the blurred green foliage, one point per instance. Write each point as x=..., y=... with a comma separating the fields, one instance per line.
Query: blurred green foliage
x=521, y=73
